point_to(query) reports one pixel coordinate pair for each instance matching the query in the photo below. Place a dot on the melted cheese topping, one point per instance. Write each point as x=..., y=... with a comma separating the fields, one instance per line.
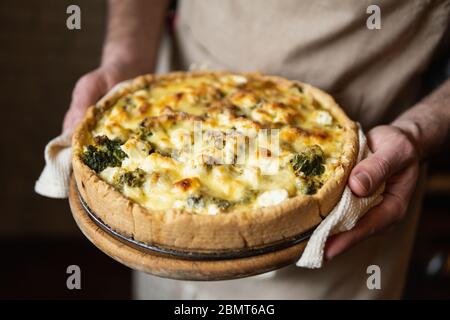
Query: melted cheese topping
x=213, y=143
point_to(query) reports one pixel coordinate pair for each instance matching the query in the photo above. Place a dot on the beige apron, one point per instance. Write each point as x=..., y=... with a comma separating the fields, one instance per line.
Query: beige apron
x=374, y=75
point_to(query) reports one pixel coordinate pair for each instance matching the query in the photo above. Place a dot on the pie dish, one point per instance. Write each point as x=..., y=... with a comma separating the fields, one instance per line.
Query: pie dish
x=212, y=161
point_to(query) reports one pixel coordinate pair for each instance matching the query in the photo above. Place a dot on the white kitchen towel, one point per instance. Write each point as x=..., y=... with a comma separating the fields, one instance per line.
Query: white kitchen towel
x=54, y=183
x=54, y=179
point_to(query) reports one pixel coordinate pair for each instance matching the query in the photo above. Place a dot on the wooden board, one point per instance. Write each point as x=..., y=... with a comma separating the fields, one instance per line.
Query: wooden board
x=176, y=268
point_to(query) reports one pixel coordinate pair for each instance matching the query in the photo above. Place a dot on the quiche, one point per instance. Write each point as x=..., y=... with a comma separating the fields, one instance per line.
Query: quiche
x=213, y=160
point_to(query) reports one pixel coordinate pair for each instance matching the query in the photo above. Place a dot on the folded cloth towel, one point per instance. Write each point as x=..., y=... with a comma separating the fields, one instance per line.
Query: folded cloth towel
x=54, y=179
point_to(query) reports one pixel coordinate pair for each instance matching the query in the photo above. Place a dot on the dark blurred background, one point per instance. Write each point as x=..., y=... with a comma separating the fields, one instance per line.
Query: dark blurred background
x=40, y=61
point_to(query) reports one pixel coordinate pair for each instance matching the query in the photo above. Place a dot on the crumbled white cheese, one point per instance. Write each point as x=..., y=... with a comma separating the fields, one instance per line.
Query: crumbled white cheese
x=178, y=204
x=180, y=138
x=148, y=164
x=141, y=93
x=271, y=198
x=136, y=194
x=269, y=165
x=252, y=176
x=333, y=161
x=109, y=173
x=324, y=118
x=194, y=170
x=213, y=209
x=237, y=79
x=136, y=151
x=247, y=101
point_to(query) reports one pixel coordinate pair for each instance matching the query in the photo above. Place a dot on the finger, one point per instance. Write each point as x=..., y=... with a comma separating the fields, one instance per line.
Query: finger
x=395, y=199
x=72, y=118
x=367, y=176
x=392, y=152
x=373, y=221
x=86, y=92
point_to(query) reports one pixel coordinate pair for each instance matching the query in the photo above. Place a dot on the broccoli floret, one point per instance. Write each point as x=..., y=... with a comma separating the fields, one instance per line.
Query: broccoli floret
x=309, y=162
x=307, y=165
x=144, y=133
x=95, y=159
x=195, y=202
x=310, y=186
x=221, y=203
x=249, y=195
x=134, y=178
x=201, y=201
x=104, y=153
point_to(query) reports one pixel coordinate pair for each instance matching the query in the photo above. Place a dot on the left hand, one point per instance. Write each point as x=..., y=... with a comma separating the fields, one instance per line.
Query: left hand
x=395, y=161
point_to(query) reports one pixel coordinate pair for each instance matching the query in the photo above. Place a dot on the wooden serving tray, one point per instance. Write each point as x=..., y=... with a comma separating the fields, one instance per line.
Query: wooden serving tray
x=176, y=267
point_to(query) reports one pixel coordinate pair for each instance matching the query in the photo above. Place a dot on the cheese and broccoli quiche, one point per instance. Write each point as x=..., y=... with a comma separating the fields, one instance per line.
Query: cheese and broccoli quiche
x=213, y=160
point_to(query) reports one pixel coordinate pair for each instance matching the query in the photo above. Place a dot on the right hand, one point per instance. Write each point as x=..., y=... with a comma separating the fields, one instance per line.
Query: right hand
x=395, y=161
x=91, y=87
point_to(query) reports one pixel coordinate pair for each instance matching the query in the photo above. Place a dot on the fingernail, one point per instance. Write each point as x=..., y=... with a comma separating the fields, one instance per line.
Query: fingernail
x=364, y=180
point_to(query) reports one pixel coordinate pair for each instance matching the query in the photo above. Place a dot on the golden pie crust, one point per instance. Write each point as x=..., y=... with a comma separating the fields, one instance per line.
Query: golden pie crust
x=179, y=229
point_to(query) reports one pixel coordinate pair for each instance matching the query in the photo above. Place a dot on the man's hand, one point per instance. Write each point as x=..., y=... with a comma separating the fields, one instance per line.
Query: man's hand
x=415, y=135
x=395, y=161
x=92, y=86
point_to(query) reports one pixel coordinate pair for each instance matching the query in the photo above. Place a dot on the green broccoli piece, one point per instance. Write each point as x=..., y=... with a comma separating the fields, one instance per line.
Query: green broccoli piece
x=221, y=203
x=309, y=162
x=195, y=202
x=201, y=201
x=104, y=153
x=95, y=159
x=134, y=178
x=310, y=186
x=144, y=133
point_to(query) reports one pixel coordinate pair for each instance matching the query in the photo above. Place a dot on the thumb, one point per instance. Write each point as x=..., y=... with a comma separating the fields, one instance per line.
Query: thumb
x=370, y=173
x=393, y=151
